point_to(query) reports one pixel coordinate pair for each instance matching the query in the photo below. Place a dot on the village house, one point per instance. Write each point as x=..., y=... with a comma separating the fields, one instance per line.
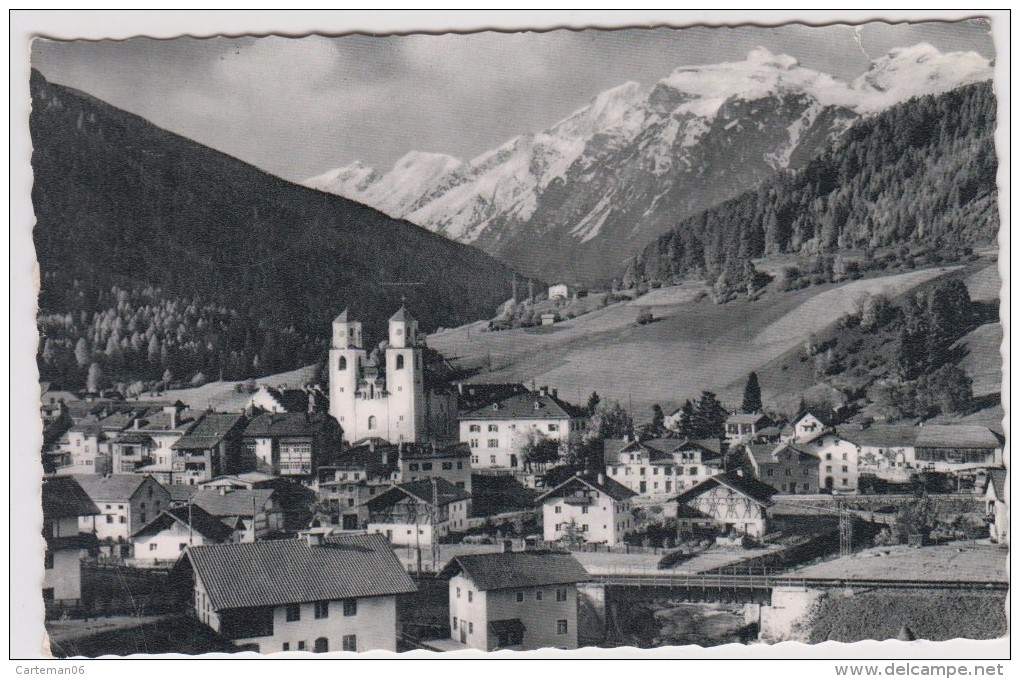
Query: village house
x=126, y=502
x=165, y=428
x=242, y=481
x=785, y=467
x=258, y=510
x=450, y=461
x=514, y=600
x=658, y=468
x=498, y=433
x=729, y=501
x=164, y=539
x=318, y=594
x=210, y=448
x=589, y=506
x=131, y=450
x=559, y=291
x=66, y=507
x=957, y=448
x=359, y=474
x=885, y=451
x=407, y=514
x=85, y=451
x=807, y=424
x=744, y=427
x=291, y=444
x=997, y=503
x=837, y=456
x=549, y=318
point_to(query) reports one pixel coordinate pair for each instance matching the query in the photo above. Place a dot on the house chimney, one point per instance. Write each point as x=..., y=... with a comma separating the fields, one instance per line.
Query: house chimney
x=311, y=402
x=555, y=393
x=508, y=546
x=371, y=445
x=544, y=390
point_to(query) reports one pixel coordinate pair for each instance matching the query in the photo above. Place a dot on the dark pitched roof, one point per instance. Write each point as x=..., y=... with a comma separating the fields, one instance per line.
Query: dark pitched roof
x=876, y=435
x=511, y=570
x=287, y=424
x=280, y=572
x=956, y=436
x=180, y=492
x=711, y=446
x=63, y=497
x=240, y=502
x=402, y=316
x=474, y=396
x=745, y=485
x=425, y=451
x=819, y=415
x=209, y=431
x=201, y=521
x=87, y=541
x=421, y=490
x=617, y=491
x=342, y=317
x=134, y=437
x=163, y=422
x=112, y=488
x=527, y=405
x=768, y=453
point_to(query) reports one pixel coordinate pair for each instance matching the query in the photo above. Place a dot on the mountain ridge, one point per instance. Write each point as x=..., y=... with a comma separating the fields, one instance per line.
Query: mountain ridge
x=576, y=200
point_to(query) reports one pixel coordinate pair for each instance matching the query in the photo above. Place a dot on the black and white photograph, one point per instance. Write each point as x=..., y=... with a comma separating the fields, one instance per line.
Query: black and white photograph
x=684, y=334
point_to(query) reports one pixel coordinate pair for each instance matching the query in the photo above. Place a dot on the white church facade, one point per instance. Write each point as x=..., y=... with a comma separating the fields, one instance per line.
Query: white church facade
x=385, y=396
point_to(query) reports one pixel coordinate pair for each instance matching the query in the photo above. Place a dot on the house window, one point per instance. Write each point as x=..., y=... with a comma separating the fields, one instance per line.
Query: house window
x=321, y=645
x=471, y=596
x=342, y=363
x=828, y=456
x=845, y=456
x=807, y=487
x=474, y=444
x=494, y=443
x=561, y=627
x=447, y=466
x=458, y=592
x=520, y=597
x=413, y=466
x=286, y=645
x=350, y=607
x=294, y=614
x=493, y=427
x=492, y=459
x=109, y=518
x=846, y=482
x=400, y=362
x=426, y=466
x=642, y=471
x=558, y=510
x=845, y=469
x=460, y=464
x=49, y=560
x=123, y=519
x=561, y=594
x=152, y=546
x=474, y=458
x=455, y=622
x=47, y=594
x=371, y=422
x=538, y=595
x=475, y=427
x=321, y=610
x=554, y=427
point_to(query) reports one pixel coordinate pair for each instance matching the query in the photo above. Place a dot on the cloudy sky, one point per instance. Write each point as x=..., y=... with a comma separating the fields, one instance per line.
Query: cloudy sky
x=297, y=107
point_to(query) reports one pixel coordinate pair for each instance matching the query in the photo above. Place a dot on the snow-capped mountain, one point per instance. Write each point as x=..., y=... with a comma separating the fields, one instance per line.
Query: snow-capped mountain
x=576, y=200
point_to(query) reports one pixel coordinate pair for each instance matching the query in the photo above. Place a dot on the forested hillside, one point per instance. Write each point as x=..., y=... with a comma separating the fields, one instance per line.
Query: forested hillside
x=922, y=172
x=157, y=253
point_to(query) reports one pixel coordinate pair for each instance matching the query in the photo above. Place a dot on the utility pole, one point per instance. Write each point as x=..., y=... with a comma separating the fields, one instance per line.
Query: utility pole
x=435, y=536
x=846, y=530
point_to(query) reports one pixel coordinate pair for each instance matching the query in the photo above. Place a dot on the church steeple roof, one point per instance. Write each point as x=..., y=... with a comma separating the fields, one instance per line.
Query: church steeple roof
x=402, y=316
x=342, y=318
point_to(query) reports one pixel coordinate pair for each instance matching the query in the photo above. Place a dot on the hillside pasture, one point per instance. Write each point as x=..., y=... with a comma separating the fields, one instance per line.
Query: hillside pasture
x=983, y=362
x=224, y=397
x=984, y=285
x=694, y=345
